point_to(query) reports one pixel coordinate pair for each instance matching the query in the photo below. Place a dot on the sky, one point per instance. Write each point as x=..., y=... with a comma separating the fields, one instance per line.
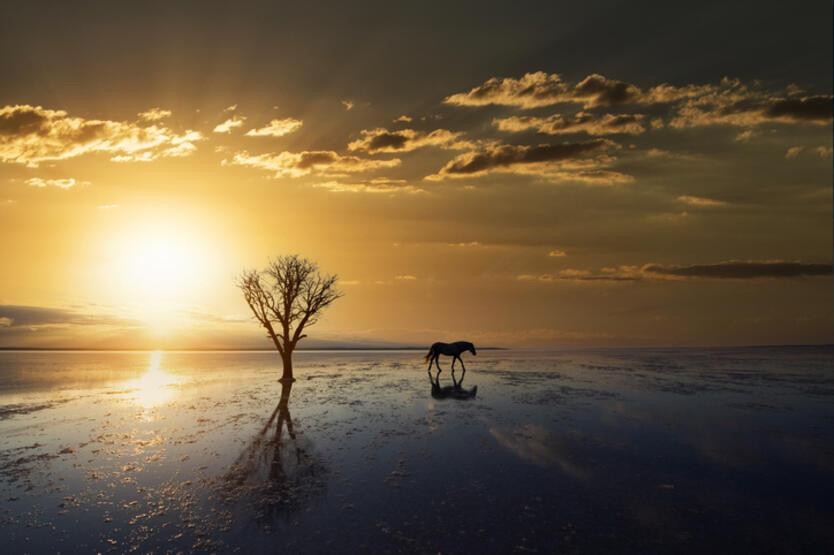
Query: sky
x=513, y=174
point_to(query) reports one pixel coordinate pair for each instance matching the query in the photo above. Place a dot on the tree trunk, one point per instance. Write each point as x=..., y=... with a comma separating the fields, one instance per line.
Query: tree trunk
x=287, y=376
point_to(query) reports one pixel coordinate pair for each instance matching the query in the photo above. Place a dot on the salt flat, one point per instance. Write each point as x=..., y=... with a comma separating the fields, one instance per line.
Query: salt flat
x=688, y=450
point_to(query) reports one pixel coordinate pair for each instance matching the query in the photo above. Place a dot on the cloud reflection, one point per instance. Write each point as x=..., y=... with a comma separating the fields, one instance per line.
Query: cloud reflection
x=537, y=445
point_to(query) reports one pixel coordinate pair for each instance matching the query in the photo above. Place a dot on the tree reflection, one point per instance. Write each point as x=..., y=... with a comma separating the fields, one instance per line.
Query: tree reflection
x=279, y=472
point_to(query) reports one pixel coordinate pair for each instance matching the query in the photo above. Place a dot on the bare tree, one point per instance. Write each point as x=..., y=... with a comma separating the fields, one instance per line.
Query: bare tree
x=286, y=298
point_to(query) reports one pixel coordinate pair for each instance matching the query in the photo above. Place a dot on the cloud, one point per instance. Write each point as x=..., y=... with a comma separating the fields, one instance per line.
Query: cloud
x=735, y=104
x=348, y=104
x=35, y=317
x=230, y=108
x=107, y=206
x=61, y=183
x=31, y=135
x=821, y=151
x=571, y=274
x=735, y=269
x=579, y=161
x=658, y=153
x=231, y=123
x=732, y=269
x=154, y=114
x=701, y=202
x=298, y=164
x=539, y=89
x=406, y=277
x=403, y=119
x=814, y=109
x=597, y=90
x=178, y=146
x=379, y=185
x=535, y=444
x=533, y=90
x=556, y=253
x=405, y=140
x=729, y=102
x=582, y=122
x=794, y=151
x=746, y=135
x=276, y=128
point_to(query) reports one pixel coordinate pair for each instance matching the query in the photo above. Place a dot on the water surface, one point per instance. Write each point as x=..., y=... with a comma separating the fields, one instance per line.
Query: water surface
x=724, y=450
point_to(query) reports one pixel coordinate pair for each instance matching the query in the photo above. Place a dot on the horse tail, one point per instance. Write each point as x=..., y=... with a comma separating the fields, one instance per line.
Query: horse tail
x=428, y=355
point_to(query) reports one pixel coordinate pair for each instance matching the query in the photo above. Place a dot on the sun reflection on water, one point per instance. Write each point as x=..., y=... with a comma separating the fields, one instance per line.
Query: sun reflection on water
x=156, y=386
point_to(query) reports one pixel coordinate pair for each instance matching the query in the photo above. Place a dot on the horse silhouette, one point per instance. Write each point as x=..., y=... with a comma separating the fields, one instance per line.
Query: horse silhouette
x=453, y=350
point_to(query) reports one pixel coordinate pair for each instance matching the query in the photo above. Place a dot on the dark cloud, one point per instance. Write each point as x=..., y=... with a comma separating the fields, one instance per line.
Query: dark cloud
x=809, y=108
x=732, y=269
x=741, y=270
x=582, y=122
x=406, y=140
x=12, y=316
x=728, y=102
x=598, y=90
x=535, y=90
x=525, y=159
x=733, y=103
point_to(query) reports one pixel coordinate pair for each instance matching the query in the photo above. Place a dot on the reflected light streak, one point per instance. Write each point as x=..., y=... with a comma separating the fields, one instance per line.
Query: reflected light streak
x=156, y=386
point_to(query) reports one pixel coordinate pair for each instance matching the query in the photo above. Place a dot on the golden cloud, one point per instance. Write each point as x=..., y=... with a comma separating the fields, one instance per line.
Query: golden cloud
x=276, y=128
x=154, y=114
x=379, y=185
x=539, y=89
x=733, y=103
x=231, y=123
x=61, y=183
x=582, y=122
x=31, y=135
x=582, y=162
x=701, y=202
x=299, y=164
x=405, y=140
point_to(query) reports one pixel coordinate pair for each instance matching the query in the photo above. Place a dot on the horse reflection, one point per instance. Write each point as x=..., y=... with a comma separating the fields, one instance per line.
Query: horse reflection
x=451, y=391
x=281, y=474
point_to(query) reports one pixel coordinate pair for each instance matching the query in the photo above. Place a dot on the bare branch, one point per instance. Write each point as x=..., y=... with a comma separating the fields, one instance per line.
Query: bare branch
x=290, y=295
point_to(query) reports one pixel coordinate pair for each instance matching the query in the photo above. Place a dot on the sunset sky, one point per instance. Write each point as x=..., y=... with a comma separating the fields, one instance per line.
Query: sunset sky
x=514, y=174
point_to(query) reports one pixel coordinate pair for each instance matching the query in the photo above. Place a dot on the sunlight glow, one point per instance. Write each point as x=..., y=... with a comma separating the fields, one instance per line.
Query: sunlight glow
x=155, y=387
x=160, y=269
x=160, y=266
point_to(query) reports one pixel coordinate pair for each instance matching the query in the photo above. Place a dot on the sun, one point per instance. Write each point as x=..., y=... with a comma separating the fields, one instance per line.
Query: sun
x=160, y=266
x=158, y=271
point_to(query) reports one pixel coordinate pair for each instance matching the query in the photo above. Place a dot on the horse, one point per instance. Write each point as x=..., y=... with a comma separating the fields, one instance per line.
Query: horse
x=453, y=350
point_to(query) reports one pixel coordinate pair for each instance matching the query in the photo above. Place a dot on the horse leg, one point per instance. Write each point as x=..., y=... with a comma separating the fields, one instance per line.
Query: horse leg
x=463, y=375
x=439, y=369
x=454, y=381
x=431, y=359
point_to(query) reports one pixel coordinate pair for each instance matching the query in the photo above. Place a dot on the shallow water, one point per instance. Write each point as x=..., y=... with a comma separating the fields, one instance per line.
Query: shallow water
x=726, y=450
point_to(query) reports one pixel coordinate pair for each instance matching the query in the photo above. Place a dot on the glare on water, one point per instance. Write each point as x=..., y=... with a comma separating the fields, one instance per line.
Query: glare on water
x=155, y=386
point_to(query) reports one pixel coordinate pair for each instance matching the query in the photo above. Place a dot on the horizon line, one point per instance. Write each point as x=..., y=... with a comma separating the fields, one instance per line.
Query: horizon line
x=407, y=348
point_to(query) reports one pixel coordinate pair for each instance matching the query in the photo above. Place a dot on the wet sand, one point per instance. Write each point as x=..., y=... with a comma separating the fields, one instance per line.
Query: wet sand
x=572, y=451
